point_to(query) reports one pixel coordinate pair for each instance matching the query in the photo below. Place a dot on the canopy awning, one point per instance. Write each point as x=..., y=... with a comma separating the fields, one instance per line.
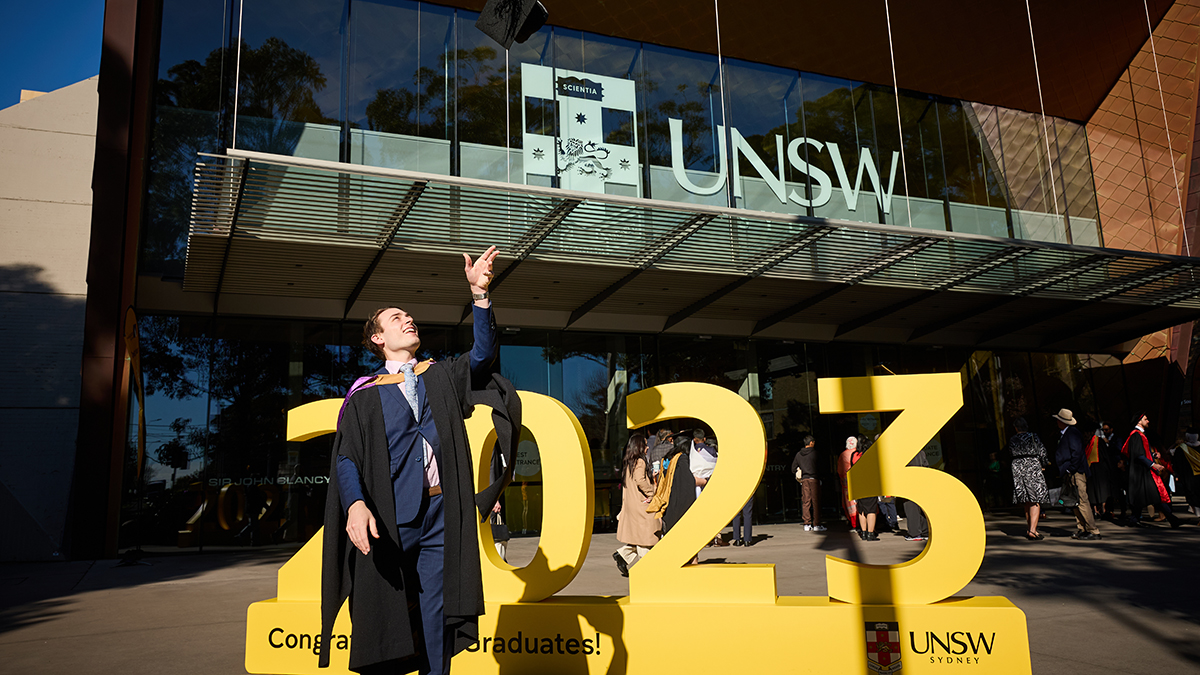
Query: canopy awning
x=269, y=226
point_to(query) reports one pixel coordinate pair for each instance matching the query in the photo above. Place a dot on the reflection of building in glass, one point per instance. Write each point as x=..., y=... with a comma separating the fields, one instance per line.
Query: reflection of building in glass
x=756, y=221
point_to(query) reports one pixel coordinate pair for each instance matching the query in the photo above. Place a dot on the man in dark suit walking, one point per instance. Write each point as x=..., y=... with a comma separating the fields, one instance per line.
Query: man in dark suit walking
x=1071, y=457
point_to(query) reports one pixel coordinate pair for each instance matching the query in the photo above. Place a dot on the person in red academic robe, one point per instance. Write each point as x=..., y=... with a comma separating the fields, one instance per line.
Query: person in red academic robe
x=1146, y=486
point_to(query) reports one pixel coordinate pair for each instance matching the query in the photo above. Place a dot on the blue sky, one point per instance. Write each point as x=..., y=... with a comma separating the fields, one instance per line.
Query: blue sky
x=47, y=45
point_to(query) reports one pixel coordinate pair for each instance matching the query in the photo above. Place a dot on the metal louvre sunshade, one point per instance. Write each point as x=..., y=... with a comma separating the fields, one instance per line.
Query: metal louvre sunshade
x=273, y=226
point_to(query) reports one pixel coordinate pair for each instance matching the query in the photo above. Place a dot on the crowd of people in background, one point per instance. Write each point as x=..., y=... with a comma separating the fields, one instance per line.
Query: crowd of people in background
x=1101, y=476
x=659, y=483
x=662, y=476
x=1126, y=481
x=863, y=513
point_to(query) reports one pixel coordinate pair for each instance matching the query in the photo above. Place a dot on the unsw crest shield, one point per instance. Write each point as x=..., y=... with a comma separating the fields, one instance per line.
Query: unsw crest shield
x=883, y=647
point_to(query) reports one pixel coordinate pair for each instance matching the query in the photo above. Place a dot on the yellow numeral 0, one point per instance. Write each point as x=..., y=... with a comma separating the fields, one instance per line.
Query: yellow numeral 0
x=568, y=501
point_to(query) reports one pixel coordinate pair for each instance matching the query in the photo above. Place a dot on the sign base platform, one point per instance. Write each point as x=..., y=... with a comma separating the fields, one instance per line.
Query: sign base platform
x=596, y=635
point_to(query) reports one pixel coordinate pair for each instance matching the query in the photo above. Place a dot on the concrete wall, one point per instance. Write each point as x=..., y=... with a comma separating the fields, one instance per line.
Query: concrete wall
x=46, y=154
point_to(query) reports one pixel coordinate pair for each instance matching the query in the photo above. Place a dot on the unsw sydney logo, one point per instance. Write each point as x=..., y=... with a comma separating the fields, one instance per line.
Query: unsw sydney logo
x=950, y=648
x=579, y=157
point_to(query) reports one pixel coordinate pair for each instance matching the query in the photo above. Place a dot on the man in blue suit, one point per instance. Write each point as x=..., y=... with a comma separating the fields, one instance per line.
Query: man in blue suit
x=400, y=586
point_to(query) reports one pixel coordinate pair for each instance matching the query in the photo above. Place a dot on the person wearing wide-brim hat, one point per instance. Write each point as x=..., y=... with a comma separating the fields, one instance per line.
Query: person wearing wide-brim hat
x=1071, y=457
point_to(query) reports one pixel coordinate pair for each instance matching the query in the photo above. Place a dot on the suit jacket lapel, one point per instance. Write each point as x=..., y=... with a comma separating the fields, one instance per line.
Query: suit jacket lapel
x=393, y=390
x=421, y=394
x=427, y=410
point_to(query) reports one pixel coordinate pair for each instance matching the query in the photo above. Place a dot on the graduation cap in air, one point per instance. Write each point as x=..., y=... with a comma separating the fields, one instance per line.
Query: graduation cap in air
x=508, y=21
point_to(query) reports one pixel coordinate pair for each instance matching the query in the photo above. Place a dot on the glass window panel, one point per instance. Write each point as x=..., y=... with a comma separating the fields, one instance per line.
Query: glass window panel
x=830, y=118
x=541, y=116
x=1026, y=172
x=400, y=94
x=867, y=209
x=194, y=85
x=219, y=471
x=925, y=207
x=596, y=54
x=538, y=50
x=289, y=79
x=483, y=146
x=882, y=194
x=618, y=126
x=1075, y=166
x=683, y=98
x=987, y=213
x=762, y=101
x=164, y=510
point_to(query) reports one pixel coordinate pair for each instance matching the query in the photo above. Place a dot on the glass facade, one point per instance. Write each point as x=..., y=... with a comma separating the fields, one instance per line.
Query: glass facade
x=413, y=85
x=416, y=86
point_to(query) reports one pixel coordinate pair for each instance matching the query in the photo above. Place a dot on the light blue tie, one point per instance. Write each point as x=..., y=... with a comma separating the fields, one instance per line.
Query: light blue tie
x=410, y=392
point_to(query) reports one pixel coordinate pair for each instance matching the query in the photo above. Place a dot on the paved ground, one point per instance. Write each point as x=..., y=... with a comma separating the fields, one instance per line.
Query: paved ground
x=1127, y=604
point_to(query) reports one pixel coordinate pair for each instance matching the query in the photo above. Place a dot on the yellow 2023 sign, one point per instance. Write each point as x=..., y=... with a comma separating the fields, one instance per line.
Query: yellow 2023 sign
x=664, y=591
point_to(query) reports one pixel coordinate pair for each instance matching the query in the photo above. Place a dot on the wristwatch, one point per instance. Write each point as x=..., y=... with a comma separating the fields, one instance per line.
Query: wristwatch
x=479, y=296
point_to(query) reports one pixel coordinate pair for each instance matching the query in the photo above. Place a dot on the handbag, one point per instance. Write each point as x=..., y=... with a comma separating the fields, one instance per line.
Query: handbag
x=1069, y=497
x=657, y=506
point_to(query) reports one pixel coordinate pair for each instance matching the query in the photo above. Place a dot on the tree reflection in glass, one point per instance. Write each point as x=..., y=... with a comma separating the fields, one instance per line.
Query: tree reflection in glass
x=277, y=99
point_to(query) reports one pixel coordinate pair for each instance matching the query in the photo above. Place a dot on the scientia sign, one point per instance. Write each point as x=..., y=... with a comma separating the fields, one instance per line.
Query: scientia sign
x=889, y=619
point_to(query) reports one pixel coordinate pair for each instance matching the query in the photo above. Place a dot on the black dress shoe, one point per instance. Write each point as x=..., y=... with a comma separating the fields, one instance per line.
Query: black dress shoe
x=737, y=542
x=1086, y=536
x=748, y=544
x=621, y=564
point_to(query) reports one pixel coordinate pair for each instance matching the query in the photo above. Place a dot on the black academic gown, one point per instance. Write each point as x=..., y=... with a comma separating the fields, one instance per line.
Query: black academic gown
x=683, y=491
x=383, y=634
x=1099, y=485
x=1143, y=489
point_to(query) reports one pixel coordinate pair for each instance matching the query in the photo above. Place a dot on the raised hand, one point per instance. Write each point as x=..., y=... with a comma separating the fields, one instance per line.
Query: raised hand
x=479, y=273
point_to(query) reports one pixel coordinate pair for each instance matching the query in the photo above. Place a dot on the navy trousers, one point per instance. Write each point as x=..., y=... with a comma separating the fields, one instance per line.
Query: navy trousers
x=423, y=562
x=741, y=522
x=917, y=525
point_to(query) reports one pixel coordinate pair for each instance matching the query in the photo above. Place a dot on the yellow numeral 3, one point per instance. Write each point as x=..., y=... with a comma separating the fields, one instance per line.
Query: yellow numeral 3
x=955, y=549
